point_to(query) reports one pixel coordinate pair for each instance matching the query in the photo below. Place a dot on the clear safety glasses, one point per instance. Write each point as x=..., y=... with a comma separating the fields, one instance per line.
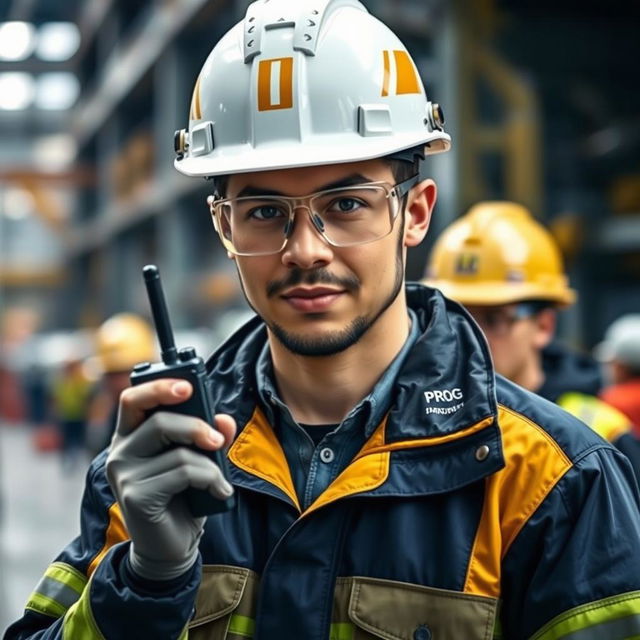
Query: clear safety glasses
x=344, y=217
x=498, y=320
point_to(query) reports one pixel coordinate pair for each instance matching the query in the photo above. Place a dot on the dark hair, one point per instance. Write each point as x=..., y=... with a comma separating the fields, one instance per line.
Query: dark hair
x=219, y=185
x=402, y=169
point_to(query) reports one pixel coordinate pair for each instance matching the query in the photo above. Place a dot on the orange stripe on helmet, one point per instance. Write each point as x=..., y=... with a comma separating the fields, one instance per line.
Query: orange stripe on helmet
x=196, y=107
x=406, y=77
x=285, y=85
x=386, y=73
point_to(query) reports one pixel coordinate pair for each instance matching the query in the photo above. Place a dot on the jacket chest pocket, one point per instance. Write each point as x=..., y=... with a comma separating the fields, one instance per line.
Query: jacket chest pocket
x=225, y=604
x=371, y=608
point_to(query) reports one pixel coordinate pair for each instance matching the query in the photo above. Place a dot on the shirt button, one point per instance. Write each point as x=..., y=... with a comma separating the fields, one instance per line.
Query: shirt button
x=327, y=455
x=422, y=633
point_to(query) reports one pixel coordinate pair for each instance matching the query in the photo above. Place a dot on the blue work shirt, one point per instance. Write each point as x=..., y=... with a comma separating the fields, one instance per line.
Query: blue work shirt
x=314, y=468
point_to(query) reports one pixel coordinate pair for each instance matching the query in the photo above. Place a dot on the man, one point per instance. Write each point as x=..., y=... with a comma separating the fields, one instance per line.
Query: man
x=507, y=270
x=72, y=393
x=385, y=486
x=121, y=341
x=620, y=353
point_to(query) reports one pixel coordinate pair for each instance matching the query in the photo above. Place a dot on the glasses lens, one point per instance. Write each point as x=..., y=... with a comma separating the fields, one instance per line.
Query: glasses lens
x=498, y=320
x=253, y=226
x=354, y=215
x=345, y=217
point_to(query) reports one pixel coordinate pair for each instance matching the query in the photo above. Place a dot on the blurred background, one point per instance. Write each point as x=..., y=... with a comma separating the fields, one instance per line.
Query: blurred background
x=542, y=100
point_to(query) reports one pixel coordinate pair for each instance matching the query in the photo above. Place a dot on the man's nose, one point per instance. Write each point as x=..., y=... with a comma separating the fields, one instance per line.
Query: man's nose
x=306, y=248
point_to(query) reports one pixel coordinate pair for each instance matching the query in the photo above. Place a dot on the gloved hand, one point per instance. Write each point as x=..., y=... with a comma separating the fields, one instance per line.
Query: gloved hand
x=146, y=475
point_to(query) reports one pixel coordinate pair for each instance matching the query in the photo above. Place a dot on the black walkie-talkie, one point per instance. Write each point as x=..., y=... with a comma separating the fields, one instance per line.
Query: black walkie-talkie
x=187, y=365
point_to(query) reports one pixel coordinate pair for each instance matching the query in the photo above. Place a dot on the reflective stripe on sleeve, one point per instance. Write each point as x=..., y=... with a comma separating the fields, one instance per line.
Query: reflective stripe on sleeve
x=608, y=619
x=627, y=628
x=59, y=588
x=79, y=621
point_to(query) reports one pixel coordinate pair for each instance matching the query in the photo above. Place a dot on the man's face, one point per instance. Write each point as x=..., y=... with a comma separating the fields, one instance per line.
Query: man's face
x=515, y=336
x=315, y=298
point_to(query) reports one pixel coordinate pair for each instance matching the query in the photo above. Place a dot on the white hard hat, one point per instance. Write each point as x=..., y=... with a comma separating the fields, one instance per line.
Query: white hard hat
x=621, y=341
x=305, y=83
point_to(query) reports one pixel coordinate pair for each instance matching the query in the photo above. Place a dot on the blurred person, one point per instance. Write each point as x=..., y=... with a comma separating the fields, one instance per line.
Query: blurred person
x=121, y=341
x=18, y=324
x=387, y=484
x=36, y=392
x=620, y=354
x=506, y=269
x=71, y=394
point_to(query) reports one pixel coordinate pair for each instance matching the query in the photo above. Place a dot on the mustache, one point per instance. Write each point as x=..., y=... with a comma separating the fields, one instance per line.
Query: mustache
x=317, y=276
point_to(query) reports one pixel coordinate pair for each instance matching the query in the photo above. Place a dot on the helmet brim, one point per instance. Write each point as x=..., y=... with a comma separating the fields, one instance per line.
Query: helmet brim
x=332, y=150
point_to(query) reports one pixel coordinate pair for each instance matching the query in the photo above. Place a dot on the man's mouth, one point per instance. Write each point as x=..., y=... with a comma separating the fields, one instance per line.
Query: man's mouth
x=311, y=292
x=312, y=299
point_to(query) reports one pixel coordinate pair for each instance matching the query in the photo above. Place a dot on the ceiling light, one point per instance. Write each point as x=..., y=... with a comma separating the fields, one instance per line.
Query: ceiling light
x=17, y=40
x=18, y=203
x=54, y=152
x=16, y=91
x=56, y=90
x=57, y=41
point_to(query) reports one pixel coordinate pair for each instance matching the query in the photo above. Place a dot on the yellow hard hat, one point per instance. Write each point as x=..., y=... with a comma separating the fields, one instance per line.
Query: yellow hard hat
x=124, y=340
x=498, y=254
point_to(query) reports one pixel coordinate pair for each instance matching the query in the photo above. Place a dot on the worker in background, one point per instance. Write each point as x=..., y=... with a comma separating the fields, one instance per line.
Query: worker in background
x=122, y=341
x=37, y=396
x=506, y=269
x=620, y=354
x=386, y=484
x=71, y=395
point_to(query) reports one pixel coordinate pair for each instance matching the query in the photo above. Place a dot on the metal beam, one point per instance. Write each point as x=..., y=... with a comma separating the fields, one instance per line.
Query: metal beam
x=522, y=130
x=14, y=277
x=35, y=65
x=127, y=66
x=79, y=176
x=89, y=21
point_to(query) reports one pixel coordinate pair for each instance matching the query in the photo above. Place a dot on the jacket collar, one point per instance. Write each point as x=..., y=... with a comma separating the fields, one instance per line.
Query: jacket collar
x=447, y=383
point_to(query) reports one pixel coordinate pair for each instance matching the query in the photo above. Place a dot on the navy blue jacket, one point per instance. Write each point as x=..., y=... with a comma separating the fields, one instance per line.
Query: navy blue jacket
x=481, y=511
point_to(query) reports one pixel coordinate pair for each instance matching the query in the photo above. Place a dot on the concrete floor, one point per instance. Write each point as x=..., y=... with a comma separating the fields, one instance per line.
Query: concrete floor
x=39, y=515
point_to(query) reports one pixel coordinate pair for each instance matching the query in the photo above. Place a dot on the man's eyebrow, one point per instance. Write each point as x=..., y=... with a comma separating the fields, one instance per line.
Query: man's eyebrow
x=349, y=181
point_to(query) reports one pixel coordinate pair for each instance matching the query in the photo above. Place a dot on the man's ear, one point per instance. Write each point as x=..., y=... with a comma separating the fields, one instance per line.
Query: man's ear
x=420, y=203
x=545, y=327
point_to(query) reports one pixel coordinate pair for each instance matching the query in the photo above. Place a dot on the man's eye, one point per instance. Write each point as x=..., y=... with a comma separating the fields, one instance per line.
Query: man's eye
x=345, y=205
x=266, y=212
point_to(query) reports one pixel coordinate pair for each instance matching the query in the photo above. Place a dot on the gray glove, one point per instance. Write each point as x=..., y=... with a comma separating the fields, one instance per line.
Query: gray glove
x=146, y=477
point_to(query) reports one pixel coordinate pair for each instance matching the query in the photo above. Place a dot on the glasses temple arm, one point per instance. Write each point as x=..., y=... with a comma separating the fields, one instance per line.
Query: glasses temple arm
x=402, y=188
